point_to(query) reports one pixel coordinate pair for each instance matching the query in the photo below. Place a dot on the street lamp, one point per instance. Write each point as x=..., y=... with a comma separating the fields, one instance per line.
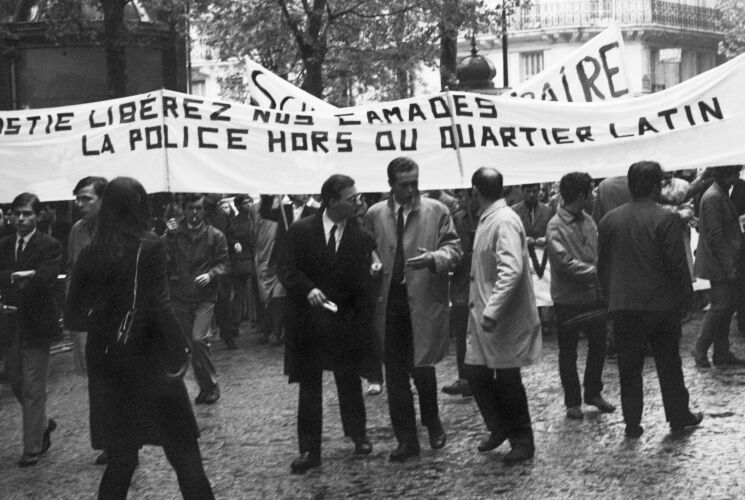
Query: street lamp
x=511, y=5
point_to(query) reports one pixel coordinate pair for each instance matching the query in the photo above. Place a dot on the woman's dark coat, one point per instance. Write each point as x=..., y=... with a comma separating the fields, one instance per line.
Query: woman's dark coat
x=131, y=402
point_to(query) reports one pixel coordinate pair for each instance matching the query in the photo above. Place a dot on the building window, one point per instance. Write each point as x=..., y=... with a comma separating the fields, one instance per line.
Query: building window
x=532, y=64
x=198, y=88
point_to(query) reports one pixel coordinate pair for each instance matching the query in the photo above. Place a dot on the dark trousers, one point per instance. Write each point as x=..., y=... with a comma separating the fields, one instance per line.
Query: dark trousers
x=500, y=396
x=310, y=407
x=459, y=330
x=716, y=323
x=740, y=296
x=568, y=339
x=399, y=367
x=27, y=367
x=184, y=458
x=225, y=315
x=662, y=330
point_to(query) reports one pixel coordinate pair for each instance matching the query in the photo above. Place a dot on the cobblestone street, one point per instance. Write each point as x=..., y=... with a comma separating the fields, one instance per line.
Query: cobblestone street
x=248, y=440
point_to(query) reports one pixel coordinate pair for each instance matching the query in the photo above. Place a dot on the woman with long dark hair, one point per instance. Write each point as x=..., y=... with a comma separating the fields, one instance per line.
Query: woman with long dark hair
x=136, y=394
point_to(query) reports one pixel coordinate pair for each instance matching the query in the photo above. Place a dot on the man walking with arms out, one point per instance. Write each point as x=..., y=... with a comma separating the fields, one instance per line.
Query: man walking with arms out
x=504, y=331
x=197, y=256
x=644, y=275
x=418, y=246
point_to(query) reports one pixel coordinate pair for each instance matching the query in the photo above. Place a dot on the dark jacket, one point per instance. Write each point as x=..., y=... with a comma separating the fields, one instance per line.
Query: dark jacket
x=541, y=215
x=315, y=335
x=35, y=298
x=241, y=230
x=191, y=253
x=641, y=259
x=130, y=401
x=718, y=250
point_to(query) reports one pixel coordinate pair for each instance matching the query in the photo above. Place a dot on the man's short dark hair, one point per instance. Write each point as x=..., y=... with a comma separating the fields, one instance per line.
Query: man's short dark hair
x=239, y=199
x=575, y=184
x=529, y=186
x=489, y=182
x=192, y=198
x=722, y=172
x=400, y=165
x=644, y=178
x=333, y=186
x=26, y=199
x=98, y=183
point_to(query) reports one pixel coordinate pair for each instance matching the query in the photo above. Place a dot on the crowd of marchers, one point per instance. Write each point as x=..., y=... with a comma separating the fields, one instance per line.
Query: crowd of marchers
x=369, y=287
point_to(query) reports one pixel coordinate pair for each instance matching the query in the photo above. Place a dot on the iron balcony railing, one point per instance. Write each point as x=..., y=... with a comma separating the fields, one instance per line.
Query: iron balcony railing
x=566, y=13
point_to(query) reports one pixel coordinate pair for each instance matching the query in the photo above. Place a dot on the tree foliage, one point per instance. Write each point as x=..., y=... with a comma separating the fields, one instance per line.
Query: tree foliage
x=340, y=49
x=733, y=25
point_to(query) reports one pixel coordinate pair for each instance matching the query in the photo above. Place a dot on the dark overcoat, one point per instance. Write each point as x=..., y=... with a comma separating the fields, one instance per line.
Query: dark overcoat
x=131, y=402
x=35, y=298
x=316, y=335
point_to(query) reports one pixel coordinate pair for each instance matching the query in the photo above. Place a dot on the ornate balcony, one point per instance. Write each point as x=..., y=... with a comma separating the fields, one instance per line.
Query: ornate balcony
x=546, y=14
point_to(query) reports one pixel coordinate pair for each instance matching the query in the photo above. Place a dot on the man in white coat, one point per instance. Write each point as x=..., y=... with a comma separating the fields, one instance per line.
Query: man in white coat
x=504, y=330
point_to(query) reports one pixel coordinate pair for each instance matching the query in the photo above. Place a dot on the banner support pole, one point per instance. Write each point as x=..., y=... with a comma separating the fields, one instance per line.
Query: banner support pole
x=451, y=106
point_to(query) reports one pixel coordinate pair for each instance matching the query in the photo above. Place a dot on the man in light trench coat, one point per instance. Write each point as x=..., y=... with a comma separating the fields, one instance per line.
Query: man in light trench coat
x=418, y=246
x=504, y=330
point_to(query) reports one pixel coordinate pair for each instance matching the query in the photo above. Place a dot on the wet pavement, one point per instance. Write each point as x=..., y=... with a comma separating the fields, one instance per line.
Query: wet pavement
x=248, y=440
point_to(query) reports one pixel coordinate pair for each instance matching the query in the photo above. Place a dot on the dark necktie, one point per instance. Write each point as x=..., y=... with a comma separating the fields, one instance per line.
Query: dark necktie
x=331, y=245
x=398, y=262
x=19, y=250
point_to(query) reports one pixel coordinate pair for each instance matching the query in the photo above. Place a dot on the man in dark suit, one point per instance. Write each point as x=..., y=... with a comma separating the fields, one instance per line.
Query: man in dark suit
x=324, y=263
x=534, y=214
x=644, y=275
x=29, y=264
x=717, y=256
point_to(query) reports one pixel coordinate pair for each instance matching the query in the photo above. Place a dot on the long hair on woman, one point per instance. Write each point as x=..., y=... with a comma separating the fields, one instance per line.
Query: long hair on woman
x=124, y=217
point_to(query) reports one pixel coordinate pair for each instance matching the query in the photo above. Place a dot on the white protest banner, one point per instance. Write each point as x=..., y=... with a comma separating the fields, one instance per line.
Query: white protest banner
x=594, y=72
x=274, y=92
x=173, y=141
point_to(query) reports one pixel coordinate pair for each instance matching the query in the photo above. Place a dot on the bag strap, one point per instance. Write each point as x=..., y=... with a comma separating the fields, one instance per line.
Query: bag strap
x=137, y=267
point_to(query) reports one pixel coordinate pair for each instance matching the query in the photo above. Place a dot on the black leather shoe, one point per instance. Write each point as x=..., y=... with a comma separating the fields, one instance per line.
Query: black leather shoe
x=28, y=459
x=453, y=389
x=46, y=442
x=404, y=451
x=209, y=396
x=692, y=420
x=519, y=453
x=729, y=360
x=634, y=431
x=492, y=442
x=305, y=462
x=103, y=458
x=437, y=437
x=700, y=358
x=362, y=446
x=601, y=404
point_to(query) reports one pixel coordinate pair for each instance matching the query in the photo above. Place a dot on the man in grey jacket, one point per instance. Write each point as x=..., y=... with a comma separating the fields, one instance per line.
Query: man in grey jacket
x=504, y=331
x=572, y=239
